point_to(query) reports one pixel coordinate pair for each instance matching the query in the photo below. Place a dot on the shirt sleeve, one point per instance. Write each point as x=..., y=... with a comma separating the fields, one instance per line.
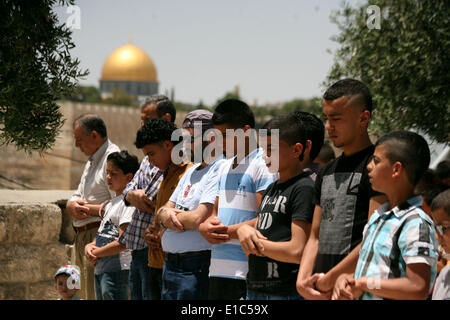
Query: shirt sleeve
x=263, y=178
x=127, y=214
x=417, y=242
x=302, y=205
x=210, y=189
x=178, y=188
x=318, y=187
x=79, y=194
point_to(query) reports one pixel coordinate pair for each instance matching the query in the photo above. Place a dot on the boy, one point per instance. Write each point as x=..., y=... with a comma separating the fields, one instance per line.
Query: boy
x=154, y=138
x=111, y=262
x=188, y=254
x=277, y=237
x=242, y=180
x=343, y=196
x=398, y=252
x=67, y=282
x=440, y=208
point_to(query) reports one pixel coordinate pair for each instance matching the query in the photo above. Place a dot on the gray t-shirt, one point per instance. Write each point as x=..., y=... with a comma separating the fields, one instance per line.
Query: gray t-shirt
x=442, y=286
x=116, y=214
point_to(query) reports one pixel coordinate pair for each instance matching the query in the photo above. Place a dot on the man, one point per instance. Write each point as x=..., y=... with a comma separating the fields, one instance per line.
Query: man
x=138, y=192
x=91, y=138
x=343, y=195
x=188, y=254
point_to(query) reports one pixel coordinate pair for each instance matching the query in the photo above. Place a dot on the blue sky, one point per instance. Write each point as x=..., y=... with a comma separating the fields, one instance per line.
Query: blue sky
x=274, y=50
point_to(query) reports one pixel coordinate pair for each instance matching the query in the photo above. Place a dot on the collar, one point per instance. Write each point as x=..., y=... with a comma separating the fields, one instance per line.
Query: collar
x=402, y=208
x=99, y=153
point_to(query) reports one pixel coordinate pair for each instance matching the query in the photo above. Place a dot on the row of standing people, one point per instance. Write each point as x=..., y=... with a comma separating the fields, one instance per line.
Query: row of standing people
x=235, y=229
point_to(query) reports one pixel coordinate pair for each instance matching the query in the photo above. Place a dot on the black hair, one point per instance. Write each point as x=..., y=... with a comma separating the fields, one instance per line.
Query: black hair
x=126, y=162
x=326, y=154
x=443, y=170
x=409, y=148
x=154, y=131
x=163, y=106
x=235, y=113
x=442, y=201
x=349, y=88
x=429, y=191
x=299, y=127
x=91, y=122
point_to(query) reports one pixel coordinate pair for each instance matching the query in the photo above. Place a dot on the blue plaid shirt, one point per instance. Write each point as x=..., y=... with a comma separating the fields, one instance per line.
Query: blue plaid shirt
x=148, y=178
x=394, y=238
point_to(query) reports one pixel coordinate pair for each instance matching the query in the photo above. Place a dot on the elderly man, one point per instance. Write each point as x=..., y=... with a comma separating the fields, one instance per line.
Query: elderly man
x=91, y=138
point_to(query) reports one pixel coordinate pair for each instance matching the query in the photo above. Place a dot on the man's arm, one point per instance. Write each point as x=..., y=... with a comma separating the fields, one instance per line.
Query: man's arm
x=139, y=200
x=212, y=229
x=306, y=282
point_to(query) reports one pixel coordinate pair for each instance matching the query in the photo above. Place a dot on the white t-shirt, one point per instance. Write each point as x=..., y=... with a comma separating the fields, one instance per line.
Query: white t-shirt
x=116, y=214
x=195, y=187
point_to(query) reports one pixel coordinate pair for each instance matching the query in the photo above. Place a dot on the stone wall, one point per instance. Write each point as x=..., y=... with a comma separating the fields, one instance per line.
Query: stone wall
x=34, y=236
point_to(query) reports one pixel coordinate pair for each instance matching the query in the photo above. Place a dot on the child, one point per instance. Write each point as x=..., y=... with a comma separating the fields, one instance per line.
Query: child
x=242, y=180
x=67, y=282
x=112, y=261
x=398, y=254
x=276, y=240
x=440, y=208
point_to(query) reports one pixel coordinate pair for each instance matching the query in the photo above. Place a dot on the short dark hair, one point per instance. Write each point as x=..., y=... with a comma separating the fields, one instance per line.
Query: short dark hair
x=349, y=88
x=299, y=127
x=91, y=122
x=126, y=162
x=235, y=113
x=409, y=148
x=326, y=153
x=443, y=170
x=154, y=131
x=442, y=201
x=163, y=106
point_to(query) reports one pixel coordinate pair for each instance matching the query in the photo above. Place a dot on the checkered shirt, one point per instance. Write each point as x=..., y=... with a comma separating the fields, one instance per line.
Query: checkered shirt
x=148, y=177
x=394, y=238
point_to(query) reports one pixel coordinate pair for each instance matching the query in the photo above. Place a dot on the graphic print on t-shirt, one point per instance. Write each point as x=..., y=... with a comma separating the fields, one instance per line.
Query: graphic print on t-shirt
x=338, y=202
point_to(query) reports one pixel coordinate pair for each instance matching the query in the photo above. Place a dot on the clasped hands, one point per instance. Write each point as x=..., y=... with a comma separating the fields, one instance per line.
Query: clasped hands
x=89, y=253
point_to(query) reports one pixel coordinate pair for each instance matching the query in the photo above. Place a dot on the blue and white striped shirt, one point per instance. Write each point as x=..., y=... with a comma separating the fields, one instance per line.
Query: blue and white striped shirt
x=394, y=238
x=237, y=203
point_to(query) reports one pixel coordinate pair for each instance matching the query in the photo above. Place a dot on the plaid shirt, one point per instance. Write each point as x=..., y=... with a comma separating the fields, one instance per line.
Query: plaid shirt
x=392, y=239
x=148, y=177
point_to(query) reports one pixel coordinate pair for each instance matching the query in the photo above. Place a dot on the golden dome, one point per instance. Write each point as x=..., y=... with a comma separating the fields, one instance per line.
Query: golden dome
x=129, y=63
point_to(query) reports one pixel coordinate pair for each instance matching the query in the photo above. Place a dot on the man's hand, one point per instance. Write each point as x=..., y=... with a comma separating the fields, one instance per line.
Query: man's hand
x=250, y=240
x=153, y=236
x=77, y=209
x=342, y=289
x=325, y=283
x=307, y=288
x=214, y=231
x=89, y=255
x=140, y=201
x=168, y=216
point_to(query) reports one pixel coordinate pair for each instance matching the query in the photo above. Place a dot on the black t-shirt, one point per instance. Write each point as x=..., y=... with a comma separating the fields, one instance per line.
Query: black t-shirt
x=343, y=192
x=280, y=205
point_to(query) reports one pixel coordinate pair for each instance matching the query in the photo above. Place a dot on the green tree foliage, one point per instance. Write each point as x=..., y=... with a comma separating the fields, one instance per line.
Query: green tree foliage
x=85, y=94
x=36, y=69
x=405, y=63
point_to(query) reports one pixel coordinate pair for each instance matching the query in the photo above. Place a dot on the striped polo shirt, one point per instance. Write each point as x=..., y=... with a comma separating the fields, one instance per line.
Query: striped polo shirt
x=394, y=238
x=237, y=203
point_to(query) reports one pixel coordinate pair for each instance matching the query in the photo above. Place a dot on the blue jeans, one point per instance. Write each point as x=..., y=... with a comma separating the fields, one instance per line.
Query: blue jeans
x=185, y=276
x=111, y=285
x=253, y=295
x=139, y=277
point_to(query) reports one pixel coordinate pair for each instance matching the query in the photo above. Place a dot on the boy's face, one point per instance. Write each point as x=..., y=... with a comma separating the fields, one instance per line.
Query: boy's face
x=61, y=287
x=159, y=154
x=232, y=141
x=380, y=170
x=442, y=218
x=281, y=156
x=115, y=178
x=342, y=121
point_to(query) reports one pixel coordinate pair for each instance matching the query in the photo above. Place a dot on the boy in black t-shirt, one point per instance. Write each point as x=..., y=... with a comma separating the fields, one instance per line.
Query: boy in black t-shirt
x=275, y=241
x=343, y=196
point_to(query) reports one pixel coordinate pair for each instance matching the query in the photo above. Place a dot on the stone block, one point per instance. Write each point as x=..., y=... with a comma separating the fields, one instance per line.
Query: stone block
x=30, y=263
x=30, y=223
